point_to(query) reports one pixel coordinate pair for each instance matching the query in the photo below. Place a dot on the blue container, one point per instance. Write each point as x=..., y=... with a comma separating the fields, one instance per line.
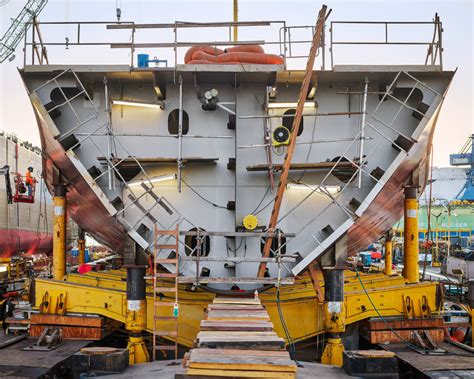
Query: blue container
x=142, y=60
x=366, y=258
x=86, y=256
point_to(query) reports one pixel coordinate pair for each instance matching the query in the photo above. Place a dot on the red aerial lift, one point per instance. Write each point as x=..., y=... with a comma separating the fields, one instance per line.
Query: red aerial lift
x=21, y=190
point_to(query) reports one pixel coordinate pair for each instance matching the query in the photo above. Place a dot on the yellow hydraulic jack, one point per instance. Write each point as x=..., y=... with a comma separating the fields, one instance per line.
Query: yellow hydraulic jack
x=59, y=236
x=81, y=247
x=334, y=323
x=135, y=321
x=388, y=254
x=410, y=238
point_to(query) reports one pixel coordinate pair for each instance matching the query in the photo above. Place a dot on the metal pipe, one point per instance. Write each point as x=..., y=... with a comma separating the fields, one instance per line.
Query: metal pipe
x=59, y=232
x=410, y=240
x=236, y=19
x=362, y=131
x=180, y=134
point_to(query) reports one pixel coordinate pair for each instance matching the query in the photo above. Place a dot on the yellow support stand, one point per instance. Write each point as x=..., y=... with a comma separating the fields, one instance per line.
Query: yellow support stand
x=410, y=240
x=81, y=247
x=333, y=352
x=135, y=316
x=59, y=232
x=388, y=254
x=334, y=319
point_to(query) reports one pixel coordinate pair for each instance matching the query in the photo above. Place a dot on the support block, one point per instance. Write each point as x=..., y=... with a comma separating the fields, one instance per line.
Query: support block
x=370, y=363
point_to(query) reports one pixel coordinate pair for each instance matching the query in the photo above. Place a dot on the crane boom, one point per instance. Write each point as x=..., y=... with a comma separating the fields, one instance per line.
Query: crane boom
x=294, y=133
x=19, y=27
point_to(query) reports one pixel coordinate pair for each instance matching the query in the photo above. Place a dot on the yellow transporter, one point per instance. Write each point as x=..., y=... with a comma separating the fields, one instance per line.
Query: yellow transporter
x=104, y=293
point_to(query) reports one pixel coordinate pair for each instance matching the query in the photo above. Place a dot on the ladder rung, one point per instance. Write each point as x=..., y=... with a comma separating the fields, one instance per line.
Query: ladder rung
x=165, y=289
x=166, y=318
x=166, y=260
x=166, y=275
x=164, y=303
x=166, y=246
x=167, y=232
x=171, y=333
x=165, y=347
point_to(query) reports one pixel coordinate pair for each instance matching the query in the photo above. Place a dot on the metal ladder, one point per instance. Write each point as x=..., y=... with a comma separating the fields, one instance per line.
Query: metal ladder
x=157, y=302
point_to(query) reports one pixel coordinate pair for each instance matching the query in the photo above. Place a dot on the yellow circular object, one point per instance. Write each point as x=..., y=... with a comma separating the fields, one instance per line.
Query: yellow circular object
x=250, y=222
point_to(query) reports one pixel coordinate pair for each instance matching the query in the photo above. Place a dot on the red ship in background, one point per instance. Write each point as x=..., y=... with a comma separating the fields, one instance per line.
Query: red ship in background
x=24, y=227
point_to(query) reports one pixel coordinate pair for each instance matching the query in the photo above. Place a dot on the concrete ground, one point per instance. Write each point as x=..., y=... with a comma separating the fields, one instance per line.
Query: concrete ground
x=168, y=369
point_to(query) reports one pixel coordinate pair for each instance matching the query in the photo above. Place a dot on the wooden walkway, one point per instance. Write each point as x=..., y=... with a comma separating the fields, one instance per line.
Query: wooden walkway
x=237, y=340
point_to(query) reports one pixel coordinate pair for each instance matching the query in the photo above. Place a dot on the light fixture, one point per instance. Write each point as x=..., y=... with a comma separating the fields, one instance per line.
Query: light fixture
x=307, y=104
x=138, y=104
x=312, y=93
x=332, y=190
x=155, y=179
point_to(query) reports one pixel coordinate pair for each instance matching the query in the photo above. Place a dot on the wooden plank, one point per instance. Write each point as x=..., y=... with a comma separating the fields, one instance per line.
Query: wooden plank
x=387, y=336
x=71, y=332
x=313, y=275
x=402, y=323
x=236, y=307
x=208, y=325
x=246, y=363
x=346, y=166
x=50, y=319
x=236, y=300
x=241, y=374
x=237, y=313
x=242, y=361
x=273, y=353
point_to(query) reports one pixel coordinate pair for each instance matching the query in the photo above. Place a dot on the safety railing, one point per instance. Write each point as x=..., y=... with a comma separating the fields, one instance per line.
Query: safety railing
x=285, y=44
x=434, y=54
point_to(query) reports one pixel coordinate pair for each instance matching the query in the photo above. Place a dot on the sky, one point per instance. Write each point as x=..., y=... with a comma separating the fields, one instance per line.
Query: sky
x=455, y=123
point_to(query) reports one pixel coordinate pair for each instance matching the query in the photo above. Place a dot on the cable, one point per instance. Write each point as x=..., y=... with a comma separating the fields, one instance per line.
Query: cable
x=408, y=343
x=291, y=342
x=261, y=201
x=310, y=147
x=266, y=206
x=202, y=197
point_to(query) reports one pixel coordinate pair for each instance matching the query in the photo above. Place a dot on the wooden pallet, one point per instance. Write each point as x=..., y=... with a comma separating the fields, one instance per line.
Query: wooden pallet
x=237, y=340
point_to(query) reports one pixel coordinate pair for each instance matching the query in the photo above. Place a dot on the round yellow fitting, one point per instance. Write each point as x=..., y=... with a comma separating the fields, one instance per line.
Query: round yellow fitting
x=250, y=222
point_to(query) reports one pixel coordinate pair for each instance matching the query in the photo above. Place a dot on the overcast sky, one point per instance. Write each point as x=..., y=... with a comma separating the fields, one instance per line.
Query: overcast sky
x=455, y=123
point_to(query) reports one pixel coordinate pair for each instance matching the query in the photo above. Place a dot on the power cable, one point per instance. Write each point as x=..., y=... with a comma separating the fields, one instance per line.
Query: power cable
x=261, y=201
x=406, y=342
x=202, y=197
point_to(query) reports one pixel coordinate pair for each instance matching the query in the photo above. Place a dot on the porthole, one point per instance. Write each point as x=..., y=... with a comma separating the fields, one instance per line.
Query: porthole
x=288, y=121
x=173, y=122
x=191, y=244
x=274, y=247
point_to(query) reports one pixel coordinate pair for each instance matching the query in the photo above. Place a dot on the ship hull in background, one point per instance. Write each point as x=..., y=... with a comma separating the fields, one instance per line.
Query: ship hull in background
x=24, y=228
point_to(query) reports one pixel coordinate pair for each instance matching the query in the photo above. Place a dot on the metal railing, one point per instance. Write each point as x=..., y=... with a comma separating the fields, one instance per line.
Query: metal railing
x=286, y=45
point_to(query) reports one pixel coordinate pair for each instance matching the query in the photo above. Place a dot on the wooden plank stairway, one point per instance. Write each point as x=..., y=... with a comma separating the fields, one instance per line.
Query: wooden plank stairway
x=237, y=340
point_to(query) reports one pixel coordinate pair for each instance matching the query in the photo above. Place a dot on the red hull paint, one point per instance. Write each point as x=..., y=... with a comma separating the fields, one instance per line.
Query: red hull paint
x=13, y=242
x=387, y=207
x=83, y=205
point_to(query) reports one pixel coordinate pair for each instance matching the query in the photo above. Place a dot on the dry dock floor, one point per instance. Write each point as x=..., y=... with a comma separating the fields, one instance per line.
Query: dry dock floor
x=16, y=363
